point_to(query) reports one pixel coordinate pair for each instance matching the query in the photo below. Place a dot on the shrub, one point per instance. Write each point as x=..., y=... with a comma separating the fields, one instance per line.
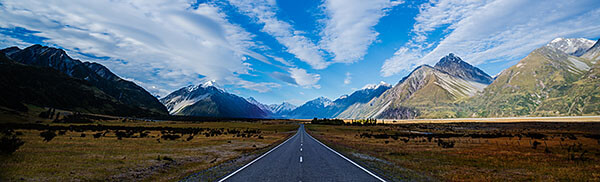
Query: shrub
x=98, y=135
x=535, y=144
x=170, y=137
x=326, y=121
x=48, y=135
x=9, y=143
x=445, y=144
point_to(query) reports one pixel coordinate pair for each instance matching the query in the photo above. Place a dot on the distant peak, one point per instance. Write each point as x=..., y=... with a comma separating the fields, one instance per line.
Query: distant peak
x=375, y=86
x=557, y=40
x=210, y=83
x=451, y=58
x=252, y=100
x=455, y=66
x=571, y=46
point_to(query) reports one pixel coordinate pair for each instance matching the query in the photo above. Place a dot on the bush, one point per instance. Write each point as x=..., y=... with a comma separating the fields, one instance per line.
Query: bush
x=445, y=144
x=326, y=121
x=9, y=143
x=535, y=144
x=48, y=135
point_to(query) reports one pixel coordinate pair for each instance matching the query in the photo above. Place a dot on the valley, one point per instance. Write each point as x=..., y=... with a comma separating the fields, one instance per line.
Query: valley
x=135, y=150
x=454, y=150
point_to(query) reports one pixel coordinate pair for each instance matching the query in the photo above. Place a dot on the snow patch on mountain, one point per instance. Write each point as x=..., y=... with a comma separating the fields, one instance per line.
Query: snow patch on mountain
x=375, y=86
x=176, y=104
x=572, y=46
x=259, y=105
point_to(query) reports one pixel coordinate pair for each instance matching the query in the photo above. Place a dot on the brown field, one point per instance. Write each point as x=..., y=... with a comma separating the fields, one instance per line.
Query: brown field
x=471, y=151
x=71, y=157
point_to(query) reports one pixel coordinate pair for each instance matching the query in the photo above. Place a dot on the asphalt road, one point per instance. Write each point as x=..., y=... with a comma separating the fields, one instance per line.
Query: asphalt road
x=301, y=158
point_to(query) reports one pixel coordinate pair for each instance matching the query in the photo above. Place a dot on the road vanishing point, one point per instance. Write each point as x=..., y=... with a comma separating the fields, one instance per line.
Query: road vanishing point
x=302, y=158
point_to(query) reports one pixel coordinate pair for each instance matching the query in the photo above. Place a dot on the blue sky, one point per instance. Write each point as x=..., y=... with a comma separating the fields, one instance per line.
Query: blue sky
x=291, y=51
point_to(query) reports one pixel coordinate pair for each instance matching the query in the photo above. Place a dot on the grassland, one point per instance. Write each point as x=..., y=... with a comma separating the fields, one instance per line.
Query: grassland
x=471, y=151
x=145, y=151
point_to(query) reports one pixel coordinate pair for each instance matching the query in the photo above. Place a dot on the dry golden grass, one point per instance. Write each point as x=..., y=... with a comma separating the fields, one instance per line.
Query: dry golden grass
x=491, y=120
x=472, y=159
x=70, y=157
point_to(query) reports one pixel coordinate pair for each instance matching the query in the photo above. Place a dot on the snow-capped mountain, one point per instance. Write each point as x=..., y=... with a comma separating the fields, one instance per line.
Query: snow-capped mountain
x=376, y=86
x=325, y=108
x=282, y=109
x=208, y=100
x=572, y=46
x=593, y=54
x=260, y=105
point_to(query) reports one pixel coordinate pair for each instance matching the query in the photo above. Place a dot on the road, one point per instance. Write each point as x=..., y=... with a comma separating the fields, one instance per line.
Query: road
x=301, y=158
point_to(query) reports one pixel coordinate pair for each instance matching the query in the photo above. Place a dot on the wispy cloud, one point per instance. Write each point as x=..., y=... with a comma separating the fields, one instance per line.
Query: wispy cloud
x=348, y=78
x=498, y=30
x=349, y=26
x=166, y=44
x=305, y=79
x=264, y=12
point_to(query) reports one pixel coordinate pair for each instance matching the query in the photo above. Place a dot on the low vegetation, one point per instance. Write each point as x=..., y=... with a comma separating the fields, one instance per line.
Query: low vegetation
x=114, y=150
x=518, y=151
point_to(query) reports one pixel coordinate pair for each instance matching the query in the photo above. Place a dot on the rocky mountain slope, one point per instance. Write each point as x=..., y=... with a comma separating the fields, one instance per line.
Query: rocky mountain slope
x=426, y=92
x=46, y=87
x=99, y=76
x=572, y=46
x=208, y=100
x=283, y=109
x=543, y=77
x=325, y=108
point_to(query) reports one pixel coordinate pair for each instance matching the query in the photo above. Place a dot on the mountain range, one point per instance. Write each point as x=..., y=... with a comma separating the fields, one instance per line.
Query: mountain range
x=48, y=77
x=559, y=78
x=209, y=100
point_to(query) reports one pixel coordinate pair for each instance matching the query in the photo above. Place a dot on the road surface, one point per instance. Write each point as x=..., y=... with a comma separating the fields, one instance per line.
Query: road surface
x=302, y=158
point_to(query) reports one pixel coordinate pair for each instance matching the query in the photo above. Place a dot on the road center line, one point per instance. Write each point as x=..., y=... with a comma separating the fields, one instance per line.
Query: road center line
x=300, y=159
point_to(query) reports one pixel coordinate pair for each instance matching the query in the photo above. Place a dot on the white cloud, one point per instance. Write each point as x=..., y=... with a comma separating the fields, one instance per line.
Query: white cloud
x=305, y=79
x=348, y=78
x=264, y=11
x=349, y=26
x=499, y=30
x=7, y=41
x=165, y=43
x=281, y=60
x=259, y=87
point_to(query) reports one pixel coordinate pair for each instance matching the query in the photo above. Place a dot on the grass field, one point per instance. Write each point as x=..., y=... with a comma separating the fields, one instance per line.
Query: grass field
x=146, y=151
x=472, y=151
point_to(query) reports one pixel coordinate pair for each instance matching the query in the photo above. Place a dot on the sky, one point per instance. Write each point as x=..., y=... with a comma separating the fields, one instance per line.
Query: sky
x=292, y=51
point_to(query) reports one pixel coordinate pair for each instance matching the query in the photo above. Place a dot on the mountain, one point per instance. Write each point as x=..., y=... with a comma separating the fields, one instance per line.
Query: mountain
x=208, y=100
x=580, y=98
x=518, y=91
x=593, y=54
x=24, y=84
x=455, y=66
x=311, y=109
x=572, y=46
x=263, y=107
x=426, y=92
x=325, y=108
x=99, y=76
x=282, y=109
